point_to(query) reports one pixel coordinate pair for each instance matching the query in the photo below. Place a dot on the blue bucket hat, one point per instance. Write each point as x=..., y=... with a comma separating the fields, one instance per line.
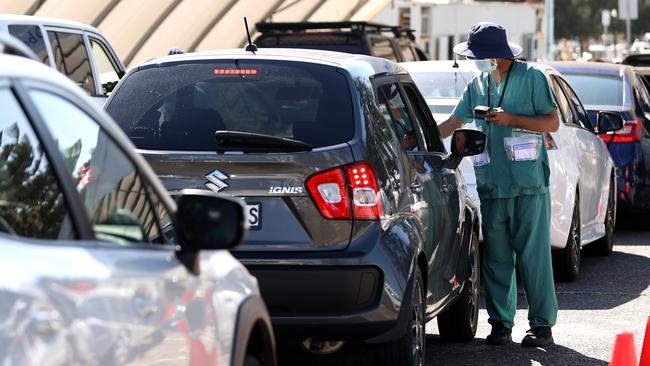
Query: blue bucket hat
x=487, y=40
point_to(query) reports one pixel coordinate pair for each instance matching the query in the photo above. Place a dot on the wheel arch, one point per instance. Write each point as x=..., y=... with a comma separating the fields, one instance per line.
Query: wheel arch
x=253, y=329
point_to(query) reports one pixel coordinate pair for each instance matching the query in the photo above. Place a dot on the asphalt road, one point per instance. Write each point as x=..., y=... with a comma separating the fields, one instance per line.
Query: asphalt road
x=611, y=295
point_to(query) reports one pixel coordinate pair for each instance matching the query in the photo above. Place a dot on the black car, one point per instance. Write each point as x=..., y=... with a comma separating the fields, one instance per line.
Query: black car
x=359, y=227
x=389, y=42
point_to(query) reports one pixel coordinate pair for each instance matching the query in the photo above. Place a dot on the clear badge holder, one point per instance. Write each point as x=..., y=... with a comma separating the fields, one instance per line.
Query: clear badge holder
x=523, y=145
x=483, y=158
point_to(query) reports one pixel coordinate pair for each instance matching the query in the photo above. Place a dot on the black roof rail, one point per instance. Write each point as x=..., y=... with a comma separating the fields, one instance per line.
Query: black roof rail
x=361, y=27
x=11, y=45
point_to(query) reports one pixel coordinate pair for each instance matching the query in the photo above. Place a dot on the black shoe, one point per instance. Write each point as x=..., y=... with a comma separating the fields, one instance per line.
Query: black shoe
x=538, y=337
x=499, y=336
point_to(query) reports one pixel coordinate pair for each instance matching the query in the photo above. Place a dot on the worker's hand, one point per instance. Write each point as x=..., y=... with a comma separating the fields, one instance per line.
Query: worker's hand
x=500, y=118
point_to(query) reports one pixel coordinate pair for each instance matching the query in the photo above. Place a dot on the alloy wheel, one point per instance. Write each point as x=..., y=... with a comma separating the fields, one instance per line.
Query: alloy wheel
x=418, y=325
x=473, y=279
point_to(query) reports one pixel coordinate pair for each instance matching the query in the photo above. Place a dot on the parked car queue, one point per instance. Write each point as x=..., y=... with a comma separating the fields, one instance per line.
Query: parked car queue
x=365, y=213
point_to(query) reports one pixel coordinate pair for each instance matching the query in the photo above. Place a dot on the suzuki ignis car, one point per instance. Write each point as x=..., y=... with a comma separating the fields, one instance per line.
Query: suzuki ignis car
x=360, y=226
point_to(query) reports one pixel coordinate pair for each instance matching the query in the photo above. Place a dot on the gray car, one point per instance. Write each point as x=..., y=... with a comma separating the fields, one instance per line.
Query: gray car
x=99, y=265
x=360, y=226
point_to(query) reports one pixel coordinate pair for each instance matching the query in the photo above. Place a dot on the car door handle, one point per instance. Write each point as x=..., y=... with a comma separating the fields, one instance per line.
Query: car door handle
x=416, y=187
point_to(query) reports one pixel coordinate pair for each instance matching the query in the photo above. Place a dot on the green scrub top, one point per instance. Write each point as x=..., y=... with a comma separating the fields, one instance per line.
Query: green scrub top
x=527, y=94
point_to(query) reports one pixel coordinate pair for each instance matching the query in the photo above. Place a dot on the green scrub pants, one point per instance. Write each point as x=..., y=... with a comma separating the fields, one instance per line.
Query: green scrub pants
x=517, y=230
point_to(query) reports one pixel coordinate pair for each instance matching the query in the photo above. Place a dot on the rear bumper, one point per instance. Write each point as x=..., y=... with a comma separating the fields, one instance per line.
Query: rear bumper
x=356, y=294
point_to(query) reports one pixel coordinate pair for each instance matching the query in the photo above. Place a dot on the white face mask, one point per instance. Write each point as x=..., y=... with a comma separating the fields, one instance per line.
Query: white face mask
x=486, y=65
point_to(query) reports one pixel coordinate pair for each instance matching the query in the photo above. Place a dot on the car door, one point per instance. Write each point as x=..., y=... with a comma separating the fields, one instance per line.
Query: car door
x=593, y=158
x=132, y=300
x=643, y=101
x=443, y=196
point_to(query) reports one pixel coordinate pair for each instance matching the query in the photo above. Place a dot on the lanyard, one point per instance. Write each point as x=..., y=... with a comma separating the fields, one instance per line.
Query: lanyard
x=503, y=92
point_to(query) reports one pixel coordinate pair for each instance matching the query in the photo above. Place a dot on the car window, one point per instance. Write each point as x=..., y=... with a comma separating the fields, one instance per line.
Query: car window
x=32, y=36
x=181, y=106
x=71, y=58
x=407, y=52
x=597, y=89
x=382, y=47
x=31, y=202
x=582, y=118
x=562, y=101
x=110, y=187
x=423, y=117
x=392, y=106
x=107, y=71
x=642, y=91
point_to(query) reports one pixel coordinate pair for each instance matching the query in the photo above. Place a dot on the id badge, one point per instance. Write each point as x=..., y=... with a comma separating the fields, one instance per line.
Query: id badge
x=483, y=158
x=523, y=146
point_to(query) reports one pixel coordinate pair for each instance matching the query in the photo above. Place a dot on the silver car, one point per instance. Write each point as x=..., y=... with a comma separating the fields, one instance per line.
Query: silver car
x=99, y=265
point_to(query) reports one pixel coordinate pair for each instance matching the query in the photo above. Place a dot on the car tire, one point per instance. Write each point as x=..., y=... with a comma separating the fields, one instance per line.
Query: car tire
x=566, y=261
x=605, y=245
x=410, y=349
x=251, y=360
x=458, y=323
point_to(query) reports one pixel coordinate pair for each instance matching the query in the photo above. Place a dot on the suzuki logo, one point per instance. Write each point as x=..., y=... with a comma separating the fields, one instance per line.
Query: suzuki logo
x=216, y=180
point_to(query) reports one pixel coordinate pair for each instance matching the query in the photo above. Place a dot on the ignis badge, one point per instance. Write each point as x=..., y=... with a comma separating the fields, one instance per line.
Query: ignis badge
x=281, y=190
x=216, y=180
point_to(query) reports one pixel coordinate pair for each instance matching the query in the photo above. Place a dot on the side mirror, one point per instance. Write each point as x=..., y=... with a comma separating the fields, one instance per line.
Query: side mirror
x=466, y=142
x=609, y=122
x=207, y=220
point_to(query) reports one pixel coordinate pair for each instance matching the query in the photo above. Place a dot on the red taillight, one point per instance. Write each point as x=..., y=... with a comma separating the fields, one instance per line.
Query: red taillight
x=366, y=201
x=339, y=198
x=632, y=131
x=328, y=189
x=234, y=71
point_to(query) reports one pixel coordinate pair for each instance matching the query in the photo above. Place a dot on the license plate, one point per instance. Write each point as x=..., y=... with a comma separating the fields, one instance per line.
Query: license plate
x=254, y=215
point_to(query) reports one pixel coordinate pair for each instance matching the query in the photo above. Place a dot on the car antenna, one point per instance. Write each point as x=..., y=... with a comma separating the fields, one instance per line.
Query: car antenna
x=251, y=47
x=455, y=65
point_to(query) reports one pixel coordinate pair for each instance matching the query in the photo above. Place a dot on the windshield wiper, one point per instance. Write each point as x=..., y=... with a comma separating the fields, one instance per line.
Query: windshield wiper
x=256, y=142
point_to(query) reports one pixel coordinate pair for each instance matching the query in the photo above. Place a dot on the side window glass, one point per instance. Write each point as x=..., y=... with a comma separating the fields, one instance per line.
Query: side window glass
x=107, y=71
x=562, y=102
x=579, y=111
x=32, y=36
x=423, y=116
x=114, y=194
x=382, y=47
x=31, y=203
x=71, y=58
x=643, y=93
x=392, y=106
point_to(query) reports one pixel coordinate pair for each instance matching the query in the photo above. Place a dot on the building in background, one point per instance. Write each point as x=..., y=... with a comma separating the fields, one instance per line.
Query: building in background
x=440, y=24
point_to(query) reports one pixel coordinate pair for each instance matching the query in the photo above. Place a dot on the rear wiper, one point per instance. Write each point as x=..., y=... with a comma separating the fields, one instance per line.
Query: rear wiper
x=256, y=142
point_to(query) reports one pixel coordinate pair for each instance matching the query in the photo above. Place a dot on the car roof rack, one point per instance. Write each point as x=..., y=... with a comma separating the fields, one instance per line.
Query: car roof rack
x=360, y=27
x=11, y=45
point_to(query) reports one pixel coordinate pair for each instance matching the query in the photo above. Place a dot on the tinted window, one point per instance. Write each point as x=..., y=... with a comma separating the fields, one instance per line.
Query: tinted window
x=562, y=102
x=392, y=106
x=582, y=118
x=597, y=89
x=71, y=58
x=181, y=106
x=31, y=203
x=422, y=115
x=111, y=189
x=383, y=48
x=107, y=71
x=442, y=84
x=32, y=36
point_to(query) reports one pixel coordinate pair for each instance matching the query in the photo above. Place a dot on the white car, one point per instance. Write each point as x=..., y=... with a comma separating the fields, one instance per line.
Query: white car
x=583, y=176
x=99, y=265
x=77, y=50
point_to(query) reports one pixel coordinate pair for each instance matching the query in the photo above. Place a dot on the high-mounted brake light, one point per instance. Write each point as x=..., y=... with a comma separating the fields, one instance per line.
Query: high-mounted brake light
x=234, y=71
x=632, y=132
x=352, y=186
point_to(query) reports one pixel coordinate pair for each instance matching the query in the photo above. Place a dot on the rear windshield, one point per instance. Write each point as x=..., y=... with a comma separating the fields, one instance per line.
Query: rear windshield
x=597, y=89
x=442, y=84
x=349, y=43
x=180, y=106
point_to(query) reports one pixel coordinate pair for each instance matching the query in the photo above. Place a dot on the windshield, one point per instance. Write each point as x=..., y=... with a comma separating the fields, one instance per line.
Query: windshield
x=442, y=84
x=181, y=106
x=597, y=89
